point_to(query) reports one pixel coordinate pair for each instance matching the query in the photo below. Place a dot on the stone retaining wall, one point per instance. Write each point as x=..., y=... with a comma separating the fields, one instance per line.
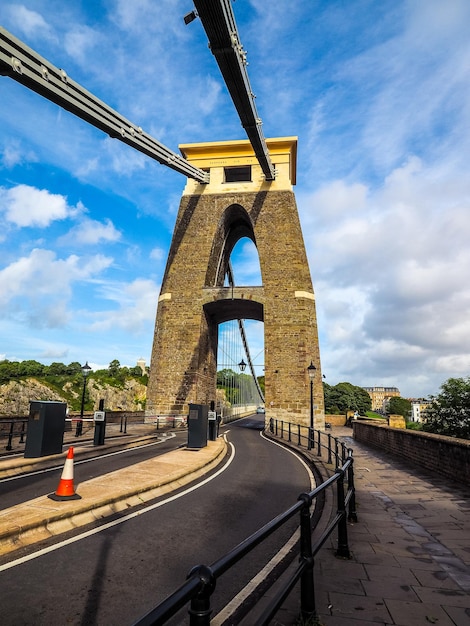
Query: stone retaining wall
x=444, y=455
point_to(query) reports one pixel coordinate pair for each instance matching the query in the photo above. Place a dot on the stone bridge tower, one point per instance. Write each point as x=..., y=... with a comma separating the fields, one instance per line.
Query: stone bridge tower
x=238, y=202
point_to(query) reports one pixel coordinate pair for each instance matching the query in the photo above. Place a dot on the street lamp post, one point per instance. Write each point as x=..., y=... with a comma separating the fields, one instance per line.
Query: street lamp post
x=311, y=369
x=86, y=369
x=241, y=384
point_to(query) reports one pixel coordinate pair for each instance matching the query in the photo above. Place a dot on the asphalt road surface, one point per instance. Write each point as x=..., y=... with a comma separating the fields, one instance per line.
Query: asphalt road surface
x=116, y=575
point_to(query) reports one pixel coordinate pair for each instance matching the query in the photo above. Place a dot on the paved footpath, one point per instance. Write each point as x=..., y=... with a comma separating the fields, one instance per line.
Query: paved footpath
x=410, y=548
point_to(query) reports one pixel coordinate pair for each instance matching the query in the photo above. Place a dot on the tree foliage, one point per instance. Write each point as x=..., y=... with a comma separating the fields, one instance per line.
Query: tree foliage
x=13, y=370
x=449, y=411
x=346, y=397
x=399, y=406
x=230, y=381
x=114, y=367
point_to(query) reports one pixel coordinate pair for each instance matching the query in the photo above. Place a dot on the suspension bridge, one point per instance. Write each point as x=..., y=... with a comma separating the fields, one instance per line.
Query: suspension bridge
x=234, y=189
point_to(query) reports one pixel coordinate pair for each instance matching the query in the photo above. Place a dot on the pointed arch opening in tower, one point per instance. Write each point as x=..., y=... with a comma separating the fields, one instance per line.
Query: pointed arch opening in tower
x=245, y=266
x=240, y=356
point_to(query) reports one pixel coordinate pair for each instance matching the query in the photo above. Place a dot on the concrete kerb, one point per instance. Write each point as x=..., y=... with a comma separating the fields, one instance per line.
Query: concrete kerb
x=42, y=518
x=14, y=466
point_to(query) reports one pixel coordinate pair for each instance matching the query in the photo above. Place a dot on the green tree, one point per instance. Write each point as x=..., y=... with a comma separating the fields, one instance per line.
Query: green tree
x=449, y=412
x=30, y=368
x=114, y=368
x=346, y=397
x=56, y=369
x=400, y=406
x=230, y=381
x=74, y=368
x=8, y=370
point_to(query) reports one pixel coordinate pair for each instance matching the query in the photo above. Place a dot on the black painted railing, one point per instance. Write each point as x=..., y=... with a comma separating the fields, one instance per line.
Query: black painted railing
x=13, y=428
x=201, y=581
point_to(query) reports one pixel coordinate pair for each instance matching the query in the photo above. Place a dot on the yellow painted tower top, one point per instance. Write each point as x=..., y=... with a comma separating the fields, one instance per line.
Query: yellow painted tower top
x=233, y=165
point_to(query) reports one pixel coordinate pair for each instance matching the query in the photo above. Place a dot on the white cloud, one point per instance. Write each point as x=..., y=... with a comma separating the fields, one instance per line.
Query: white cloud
x=389, y=266
x=14, y=154
x=136, y=306
x=38, y=287
x=30, y=23
x=157, y=254
x=80, y=41
x=28, y=206
x=90, y=232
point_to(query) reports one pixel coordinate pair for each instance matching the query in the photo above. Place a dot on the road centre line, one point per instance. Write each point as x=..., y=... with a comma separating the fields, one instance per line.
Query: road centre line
x=94, y=458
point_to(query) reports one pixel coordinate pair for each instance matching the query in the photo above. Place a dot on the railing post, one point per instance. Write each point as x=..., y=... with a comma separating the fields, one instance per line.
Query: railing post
x=309, y=438
x=343, y=453
x=336, y=453
x=289, y=432
x=319, y=443
x=10, y=436
x=299, y=441
x=352, y=514
x=23, y=428
x=200, y=610
x=282, y=429
x=343, y=546
x=307, y=587
x=271, y=425
x=329, y=448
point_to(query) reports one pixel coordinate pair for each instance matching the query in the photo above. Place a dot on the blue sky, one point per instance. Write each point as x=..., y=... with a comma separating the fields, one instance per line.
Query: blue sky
x=378, y=94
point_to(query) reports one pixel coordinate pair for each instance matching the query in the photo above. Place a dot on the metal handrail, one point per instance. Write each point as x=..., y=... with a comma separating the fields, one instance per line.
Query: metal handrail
x=201, y=581
x=12, y=432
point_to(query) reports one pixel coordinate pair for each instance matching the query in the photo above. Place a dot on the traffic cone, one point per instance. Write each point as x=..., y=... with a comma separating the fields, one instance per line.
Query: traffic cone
x=65, y=490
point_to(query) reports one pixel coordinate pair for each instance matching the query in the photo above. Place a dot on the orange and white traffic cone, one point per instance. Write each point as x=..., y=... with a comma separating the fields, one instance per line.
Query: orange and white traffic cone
x=66, y=490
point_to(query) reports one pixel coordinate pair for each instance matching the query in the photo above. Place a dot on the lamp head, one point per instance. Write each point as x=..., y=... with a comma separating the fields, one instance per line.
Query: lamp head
x=311, y=369
x=86, y=369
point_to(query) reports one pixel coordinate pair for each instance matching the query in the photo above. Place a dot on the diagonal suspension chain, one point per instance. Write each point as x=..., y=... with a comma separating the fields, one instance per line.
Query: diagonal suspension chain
x=27, y=67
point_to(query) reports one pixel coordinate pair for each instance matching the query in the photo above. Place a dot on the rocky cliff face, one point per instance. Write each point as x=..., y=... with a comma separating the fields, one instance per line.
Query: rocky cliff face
x=15, y=396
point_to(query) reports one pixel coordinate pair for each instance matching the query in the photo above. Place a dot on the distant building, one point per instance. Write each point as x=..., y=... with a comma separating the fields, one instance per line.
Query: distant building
x=141, y=364
x=417, y=409
x=380, y=397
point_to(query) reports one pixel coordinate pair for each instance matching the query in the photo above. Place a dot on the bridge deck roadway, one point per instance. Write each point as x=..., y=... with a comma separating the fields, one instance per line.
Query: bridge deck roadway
x=410, y=551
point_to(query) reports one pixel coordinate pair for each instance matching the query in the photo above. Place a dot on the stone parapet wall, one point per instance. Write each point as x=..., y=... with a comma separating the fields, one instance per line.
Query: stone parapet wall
x=335, y=420
x=444, y=455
